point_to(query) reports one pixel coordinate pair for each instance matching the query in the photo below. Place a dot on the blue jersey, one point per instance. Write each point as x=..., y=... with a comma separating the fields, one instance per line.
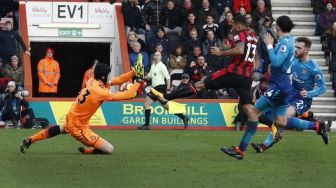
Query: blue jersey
x=308, y=76
x=281, y=63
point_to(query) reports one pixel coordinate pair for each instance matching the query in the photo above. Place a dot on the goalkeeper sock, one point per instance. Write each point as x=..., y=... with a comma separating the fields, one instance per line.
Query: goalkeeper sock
x=46, y=133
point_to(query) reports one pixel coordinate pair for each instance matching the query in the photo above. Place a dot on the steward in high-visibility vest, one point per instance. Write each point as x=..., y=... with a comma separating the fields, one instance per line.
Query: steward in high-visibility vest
x=49, y=74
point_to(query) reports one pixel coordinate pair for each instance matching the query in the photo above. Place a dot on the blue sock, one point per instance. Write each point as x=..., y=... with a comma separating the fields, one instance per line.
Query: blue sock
x=249, y=133
x=296, y=123
x=269, y=139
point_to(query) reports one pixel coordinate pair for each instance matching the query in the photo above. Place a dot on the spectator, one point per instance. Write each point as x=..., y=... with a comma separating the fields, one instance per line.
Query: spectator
x=191, y=24
x=192, y=41
x=185, y=80
x=330, y=1
x=331, y=39
x=13, y=100
x=268, y=4
x=198, y=69
x=187, y=8
x=250, y=23
x=132, y=17
x=228, y=42
x=261, y=12
x=132, y=37
x=9, y=9
x=210, y=41
x=327, y=18
x=171, y=20
x=265, y=26
x=177, y=59
x=205, y=11
x=260, y=89
x=242, y=11
x=192, y=59
x=226, y=26
x=162, y=39
x=318, y=7
x=8, y=39
x=331, y=51
x=139, y=58
x=223, y=15
x=177, y=64
x=14, y=70
x=210, y=25
x=49, y=74
x=164, y=55
x=89, y=73
x=241, y=3
x=220, y=5
x=160, y=78
x=151, y=17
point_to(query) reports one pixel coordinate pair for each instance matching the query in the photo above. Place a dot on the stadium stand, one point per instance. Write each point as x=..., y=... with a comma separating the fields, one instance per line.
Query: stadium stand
x=324, y=107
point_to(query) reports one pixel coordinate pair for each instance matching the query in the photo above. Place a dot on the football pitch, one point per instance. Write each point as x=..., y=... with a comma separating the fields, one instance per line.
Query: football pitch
x=167, y=159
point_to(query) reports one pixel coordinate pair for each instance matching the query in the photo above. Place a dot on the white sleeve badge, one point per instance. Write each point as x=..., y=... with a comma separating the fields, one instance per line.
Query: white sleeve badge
x=318, y=76
x=283, y=48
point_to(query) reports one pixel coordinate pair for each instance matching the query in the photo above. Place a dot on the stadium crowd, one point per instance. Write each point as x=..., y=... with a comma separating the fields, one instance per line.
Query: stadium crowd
x=184, y=32
x=325, y=17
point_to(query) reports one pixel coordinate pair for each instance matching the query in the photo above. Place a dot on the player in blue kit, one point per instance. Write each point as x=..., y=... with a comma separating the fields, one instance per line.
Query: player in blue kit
x=307, y=81
x=277, y=95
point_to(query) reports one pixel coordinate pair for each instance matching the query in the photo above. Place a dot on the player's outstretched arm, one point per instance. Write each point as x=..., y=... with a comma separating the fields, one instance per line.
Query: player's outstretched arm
x=122, y=78
x=128, y=94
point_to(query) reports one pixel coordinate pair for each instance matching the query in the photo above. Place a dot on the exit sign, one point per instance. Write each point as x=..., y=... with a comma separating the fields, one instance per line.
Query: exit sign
x=67, y=32
x=69, y=12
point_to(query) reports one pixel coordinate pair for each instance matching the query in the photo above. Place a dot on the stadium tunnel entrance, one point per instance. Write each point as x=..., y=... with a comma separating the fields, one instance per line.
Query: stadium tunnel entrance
x=74, y=59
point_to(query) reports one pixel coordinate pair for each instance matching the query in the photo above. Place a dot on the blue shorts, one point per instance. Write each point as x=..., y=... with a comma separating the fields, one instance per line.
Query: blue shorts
x=264, y=106
x=300, y=104
x=274, y=99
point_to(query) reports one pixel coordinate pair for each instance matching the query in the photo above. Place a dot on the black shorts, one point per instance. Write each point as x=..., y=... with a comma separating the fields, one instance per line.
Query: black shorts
x=241, y=84
x=159, y=88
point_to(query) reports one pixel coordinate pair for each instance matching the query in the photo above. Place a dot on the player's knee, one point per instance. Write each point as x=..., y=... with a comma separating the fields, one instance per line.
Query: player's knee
x=110, y=149
x=53, y=131
x=281, y=122
x=251, y=112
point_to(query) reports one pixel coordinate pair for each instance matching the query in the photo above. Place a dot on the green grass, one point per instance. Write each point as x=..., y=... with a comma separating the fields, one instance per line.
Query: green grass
x=167, y=159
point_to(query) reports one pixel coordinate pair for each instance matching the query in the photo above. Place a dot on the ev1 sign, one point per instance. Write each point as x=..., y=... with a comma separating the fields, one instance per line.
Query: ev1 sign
x=67, y=12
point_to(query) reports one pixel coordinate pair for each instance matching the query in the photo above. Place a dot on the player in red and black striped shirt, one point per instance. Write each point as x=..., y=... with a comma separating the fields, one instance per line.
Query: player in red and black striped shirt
x=238, y=73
